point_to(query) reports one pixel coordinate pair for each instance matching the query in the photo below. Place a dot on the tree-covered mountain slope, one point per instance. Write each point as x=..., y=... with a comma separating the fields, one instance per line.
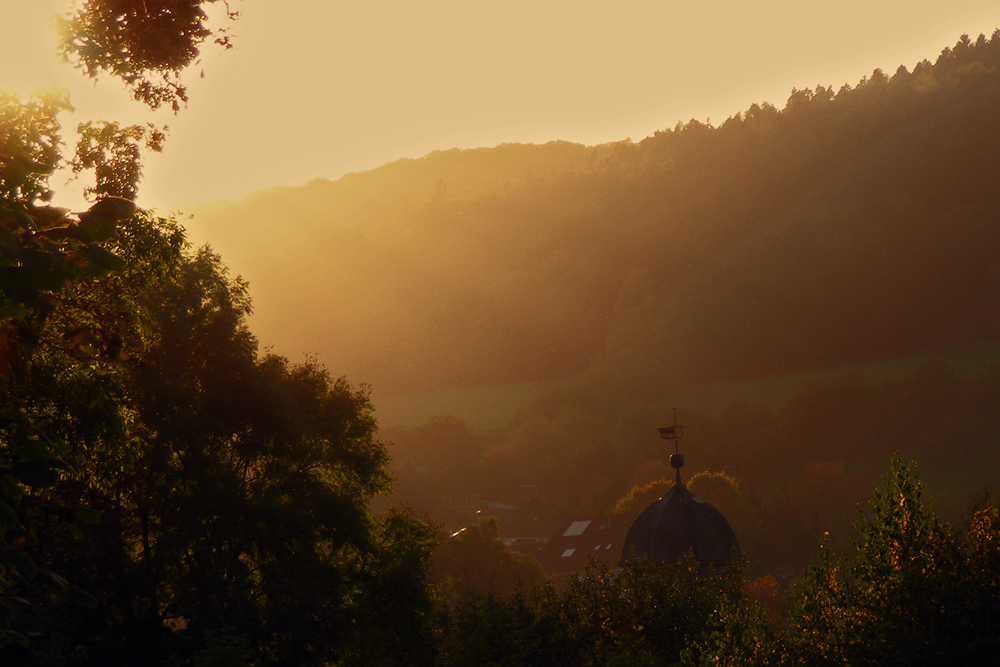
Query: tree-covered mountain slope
x=381, y=196
x=852, y=224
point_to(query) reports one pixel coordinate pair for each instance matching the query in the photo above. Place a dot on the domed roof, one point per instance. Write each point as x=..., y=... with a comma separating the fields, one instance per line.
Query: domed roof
x=677, y=523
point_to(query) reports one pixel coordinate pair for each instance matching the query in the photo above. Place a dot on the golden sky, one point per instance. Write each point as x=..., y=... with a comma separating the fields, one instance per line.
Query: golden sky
x=320, y=88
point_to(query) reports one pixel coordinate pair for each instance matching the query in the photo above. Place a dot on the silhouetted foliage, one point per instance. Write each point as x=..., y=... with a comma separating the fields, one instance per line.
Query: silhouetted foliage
x=59, y=345
x=214, y=501
x=240, y=512
x=233, y=487
x=645, y=614
x=114, y=154
x=145, y=43
x=474, y=561
x=640, y=497
x=917, y=592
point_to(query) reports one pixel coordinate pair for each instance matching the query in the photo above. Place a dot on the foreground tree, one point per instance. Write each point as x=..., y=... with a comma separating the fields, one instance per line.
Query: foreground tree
x=233, y=487
x=645, y=614
x=917, y=593
x=56, y=340
x=235, y=504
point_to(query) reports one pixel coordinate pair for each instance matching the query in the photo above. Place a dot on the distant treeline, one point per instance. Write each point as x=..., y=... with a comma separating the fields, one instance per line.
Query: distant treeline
x=853, y=224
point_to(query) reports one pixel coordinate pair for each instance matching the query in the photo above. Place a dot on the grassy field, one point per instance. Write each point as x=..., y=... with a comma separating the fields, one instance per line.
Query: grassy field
x=484, y=408
x=775, y=391
x=491, y=407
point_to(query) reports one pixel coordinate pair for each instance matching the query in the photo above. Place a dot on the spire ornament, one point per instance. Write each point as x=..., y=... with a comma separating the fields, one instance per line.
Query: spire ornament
x=675, y=433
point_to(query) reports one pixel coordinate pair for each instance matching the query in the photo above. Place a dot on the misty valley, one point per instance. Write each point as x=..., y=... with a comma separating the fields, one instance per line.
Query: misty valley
x=409, y=416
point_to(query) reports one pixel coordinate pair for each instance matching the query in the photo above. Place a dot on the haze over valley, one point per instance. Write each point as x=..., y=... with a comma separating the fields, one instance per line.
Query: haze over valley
x=525, y=314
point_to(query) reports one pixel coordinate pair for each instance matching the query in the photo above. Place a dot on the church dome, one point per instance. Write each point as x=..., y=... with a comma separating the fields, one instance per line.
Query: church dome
x=677, y=523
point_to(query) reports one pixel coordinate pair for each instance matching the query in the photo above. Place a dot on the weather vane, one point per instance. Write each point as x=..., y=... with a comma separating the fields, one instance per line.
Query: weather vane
x=675, y=433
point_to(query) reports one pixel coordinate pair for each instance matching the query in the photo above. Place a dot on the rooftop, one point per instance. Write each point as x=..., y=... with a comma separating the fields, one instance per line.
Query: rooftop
x=676, y=524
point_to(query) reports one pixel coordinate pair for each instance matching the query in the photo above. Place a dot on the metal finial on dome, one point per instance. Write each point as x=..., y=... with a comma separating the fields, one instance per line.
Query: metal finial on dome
x=677, y=462
x=675, y=433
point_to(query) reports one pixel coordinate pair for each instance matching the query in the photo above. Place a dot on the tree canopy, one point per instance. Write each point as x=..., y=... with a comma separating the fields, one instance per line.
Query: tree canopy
x=145, y=43
x=199, y=501
x=239, y=512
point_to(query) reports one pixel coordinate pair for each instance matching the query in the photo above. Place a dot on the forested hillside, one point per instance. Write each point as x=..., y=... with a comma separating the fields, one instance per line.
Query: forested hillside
x=849, y=228
x=381, y=196
x=852, y=224
x=171, y=494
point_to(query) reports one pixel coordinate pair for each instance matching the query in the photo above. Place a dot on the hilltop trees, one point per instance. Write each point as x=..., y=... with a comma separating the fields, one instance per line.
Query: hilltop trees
x=854, y=225
x=763, y=246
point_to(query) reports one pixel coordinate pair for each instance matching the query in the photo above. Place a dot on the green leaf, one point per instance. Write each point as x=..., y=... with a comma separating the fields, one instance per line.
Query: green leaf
x=114, y=207
x=31, y=446
x=57, y=583
x=85, y=516
x=57, y=444
x=11, y=489
x=98, y=227
x=10, y=309
x=12, y=637
x=49, y=280
x=7, y=239
x=33, y=259
x=101, y=220
x=9, y=517
x=25, y=565
x=85, y=342
x=104, y=259
x=39, y=270
x=24, y=220
x=82, y=597
x=75, y=232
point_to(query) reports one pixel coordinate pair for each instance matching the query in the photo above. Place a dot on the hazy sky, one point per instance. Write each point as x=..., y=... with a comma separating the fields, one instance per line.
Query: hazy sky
x=320, y=88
